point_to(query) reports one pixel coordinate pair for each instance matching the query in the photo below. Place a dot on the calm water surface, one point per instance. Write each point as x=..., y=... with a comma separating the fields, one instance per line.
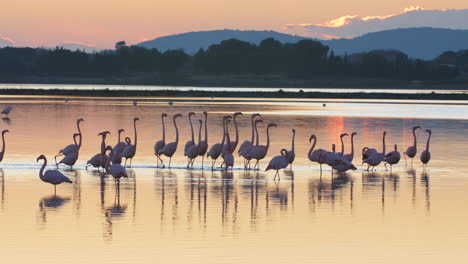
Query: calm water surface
x=200, y=216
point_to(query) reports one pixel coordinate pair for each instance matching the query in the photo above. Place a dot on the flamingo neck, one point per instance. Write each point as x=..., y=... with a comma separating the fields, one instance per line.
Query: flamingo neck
x=342, y=146
x=414, y=136
x=41, y=171
x=135, y=131
x=253, y=132
x=103, y=144
x=118, y=137
x=383, y=142
x=256, y=135
x=164, y=129
x=228, y=139
x=191, y=128
x=108, y=161
x=199, y=133
x=206, y=128
x=268, y=138
x=237, y=131
x=79, y=131
x=80, y=141
x=313, y=146
x=177, y=131
x=3, y=146
x=352, y=145
x=292, y=144
x=224, y=132
x=427, y=144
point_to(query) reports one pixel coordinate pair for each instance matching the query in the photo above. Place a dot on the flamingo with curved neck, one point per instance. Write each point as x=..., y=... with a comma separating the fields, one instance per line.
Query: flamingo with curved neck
x=426, y=155
x=412, y=150
x=170, y=148
x=160, y=144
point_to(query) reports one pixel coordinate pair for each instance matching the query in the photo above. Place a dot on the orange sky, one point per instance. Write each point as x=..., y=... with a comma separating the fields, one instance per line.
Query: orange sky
x=103, y=22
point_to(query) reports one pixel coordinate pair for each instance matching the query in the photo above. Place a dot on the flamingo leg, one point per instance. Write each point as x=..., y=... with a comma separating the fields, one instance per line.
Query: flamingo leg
x=202, y=161
x=125, y=164
x=55, y=190
x=404, y=155
x=170, y=158
x=131, y=162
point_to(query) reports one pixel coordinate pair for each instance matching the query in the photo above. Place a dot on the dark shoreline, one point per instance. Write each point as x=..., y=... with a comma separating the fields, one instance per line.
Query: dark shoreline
x=277, y=94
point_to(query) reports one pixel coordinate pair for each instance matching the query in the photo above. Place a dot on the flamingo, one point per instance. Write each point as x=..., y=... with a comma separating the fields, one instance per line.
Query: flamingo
x=192, y=151
x=70, y=159
x=203, y=145
x=392, y=158
x=318, y=154
x=233, y=144
x=248, y=151
x=192, y=141
x=170, y=148
x=100, y=159
x=291, y=154
x=349, y=157
x=130, y=150
x=2, y=154
x=216, y=149
x=72, y=147
x=7, y=110
x=342, y=144
x=279, y=162
x=259, y=152
x=160, y=144
x=116, y=170
x=377, y=157
x=411, y=150
x=247, y=145
x=343, y=165
x=118, y=148
x=426, y=155
x=54, y=177
x=228, y=158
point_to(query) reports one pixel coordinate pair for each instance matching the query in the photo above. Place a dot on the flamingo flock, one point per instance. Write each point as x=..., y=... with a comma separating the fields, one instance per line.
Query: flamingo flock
x=110, y=158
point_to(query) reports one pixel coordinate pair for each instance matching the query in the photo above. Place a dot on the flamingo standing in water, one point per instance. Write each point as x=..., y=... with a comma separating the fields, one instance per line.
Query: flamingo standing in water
x=291, y=154
x=130, y=150
x=412, y=150
x=376, y=158
x=100, y=159
x=247, y=145
x=426, y=155
x=228, y=158
x=216, y=149
x=191, y=142
x=248, y=152
x=2, y=154
x=318, y=154
x=279, y=162
x=54, y=177
x=349, y=157
x=233, y=144
x=203, y=145
x=116, y=170
x=192, y=151
x=118, y=148
x=72, y=147
x=160, y=144
x=71, y=158
x=170, y=148
x=392, y=158
x=259, y=152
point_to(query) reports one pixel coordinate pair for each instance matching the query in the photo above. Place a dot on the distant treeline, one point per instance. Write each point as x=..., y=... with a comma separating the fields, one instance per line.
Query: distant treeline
x=305, y=59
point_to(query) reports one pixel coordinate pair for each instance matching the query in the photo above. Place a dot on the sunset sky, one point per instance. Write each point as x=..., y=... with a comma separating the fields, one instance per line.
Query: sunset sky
x=103, y=22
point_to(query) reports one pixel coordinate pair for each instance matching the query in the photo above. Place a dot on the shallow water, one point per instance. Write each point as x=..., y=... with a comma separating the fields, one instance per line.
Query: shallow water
x=200, y=216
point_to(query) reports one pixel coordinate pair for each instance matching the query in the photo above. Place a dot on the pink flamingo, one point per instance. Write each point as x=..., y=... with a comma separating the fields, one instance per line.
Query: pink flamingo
x=216, y=149
x=377, y=157
x=426, y=155
x=116, y=170
x=192, y=151
x=247, y=145
x=2, y=154
x=70, y=159
x=118, y=148
x=412, y=150
x=100, y=159
x=278, y=162
x=203, y=145
x=342, y=144
x=291, y=154
x=54, y=177
x=259, y=152
x=160, y=144
x=392, y=158
x=316, y=155
x=170, y=148
x=228, y=158
x=192, y=141
x=349, y=157
x=247, y=153
x=130, y=150
x=72, y=147
x=233, y=144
